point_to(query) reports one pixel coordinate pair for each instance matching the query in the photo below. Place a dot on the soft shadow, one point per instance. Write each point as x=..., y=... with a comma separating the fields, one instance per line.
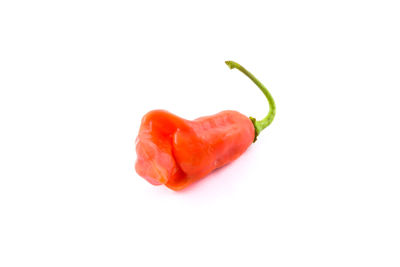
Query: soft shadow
x=234, y=170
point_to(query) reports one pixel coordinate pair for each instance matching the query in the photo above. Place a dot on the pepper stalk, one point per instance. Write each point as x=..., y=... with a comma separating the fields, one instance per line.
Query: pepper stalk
x=264, y=123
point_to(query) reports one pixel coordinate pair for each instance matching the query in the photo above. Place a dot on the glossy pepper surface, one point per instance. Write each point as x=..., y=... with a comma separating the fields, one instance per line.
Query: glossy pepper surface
x=177, y=152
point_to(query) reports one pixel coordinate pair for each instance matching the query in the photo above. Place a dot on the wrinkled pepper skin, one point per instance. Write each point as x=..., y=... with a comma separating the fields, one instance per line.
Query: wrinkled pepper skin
x=177, y=152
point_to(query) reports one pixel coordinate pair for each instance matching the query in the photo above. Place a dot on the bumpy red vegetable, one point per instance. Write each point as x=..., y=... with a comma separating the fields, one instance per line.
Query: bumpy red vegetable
x=177, y=152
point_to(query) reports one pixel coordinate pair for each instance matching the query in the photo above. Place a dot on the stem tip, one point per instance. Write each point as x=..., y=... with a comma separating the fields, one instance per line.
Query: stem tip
x=230, y=64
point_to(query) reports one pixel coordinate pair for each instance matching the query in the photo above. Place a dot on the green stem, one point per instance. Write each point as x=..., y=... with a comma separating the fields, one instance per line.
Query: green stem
x=262, y=124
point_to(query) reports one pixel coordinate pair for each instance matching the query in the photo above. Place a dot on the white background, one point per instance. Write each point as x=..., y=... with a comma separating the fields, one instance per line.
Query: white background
x=319, y=188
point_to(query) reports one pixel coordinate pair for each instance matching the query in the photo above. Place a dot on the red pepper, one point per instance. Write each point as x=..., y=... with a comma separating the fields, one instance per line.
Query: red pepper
x=177, y=152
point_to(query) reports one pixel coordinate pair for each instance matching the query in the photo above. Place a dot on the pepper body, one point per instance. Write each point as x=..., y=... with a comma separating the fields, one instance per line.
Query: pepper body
x=177, y=152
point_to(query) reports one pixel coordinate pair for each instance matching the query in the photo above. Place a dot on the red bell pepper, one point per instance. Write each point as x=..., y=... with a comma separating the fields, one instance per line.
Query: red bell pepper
x=177, y=152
